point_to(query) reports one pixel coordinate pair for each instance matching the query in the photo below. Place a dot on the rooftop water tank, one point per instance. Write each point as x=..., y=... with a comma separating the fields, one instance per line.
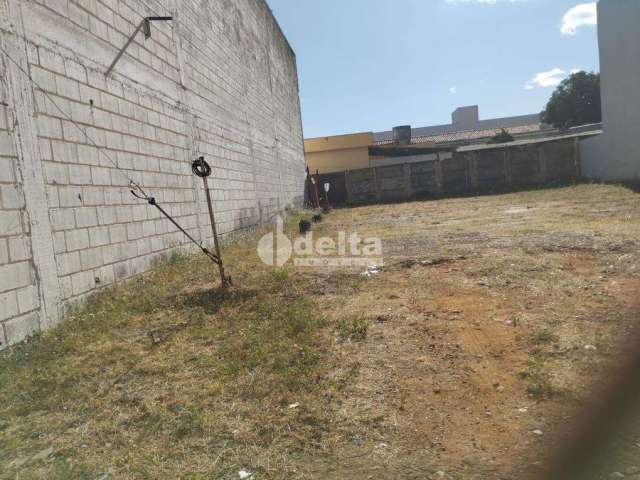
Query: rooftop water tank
x=402, y=135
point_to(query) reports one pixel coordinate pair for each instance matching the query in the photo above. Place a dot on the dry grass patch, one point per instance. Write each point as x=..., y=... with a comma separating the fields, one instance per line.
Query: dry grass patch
x=493, y=317
x=166, y=377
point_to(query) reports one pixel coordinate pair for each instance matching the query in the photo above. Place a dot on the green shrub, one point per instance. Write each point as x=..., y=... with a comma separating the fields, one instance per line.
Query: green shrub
x=353, y=329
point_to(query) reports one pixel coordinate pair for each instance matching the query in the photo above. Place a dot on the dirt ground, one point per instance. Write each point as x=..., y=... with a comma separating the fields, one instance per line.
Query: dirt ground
x=493, y=321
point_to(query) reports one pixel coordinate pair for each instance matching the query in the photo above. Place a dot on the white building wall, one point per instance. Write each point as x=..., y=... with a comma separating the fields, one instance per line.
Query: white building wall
x=19, y=299
x=219, y=81
x=615, y=155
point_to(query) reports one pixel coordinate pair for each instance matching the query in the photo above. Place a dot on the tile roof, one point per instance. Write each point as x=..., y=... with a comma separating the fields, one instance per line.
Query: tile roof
x=489, y=124
x=530, y=141
x=468, y=135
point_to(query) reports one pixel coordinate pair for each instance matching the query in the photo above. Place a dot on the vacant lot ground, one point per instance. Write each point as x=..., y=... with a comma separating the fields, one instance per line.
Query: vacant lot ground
x=493, y=320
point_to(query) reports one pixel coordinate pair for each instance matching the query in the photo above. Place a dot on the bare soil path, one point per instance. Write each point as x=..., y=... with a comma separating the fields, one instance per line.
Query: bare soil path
x=502, y=316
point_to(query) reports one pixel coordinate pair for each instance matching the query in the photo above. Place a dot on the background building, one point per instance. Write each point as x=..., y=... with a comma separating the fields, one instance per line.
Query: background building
x=350, y=152
x=615, y=155
x=466, y=125
x=218, y=80
x=338, y=153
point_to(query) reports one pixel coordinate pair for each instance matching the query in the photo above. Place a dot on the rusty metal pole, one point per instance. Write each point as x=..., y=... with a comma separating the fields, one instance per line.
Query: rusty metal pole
x=216, y=242
x=202, y=169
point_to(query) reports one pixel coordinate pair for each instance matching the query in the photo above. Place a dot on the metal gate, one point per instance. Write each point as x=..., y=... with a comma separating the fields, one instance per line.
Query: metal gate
x=337, y=189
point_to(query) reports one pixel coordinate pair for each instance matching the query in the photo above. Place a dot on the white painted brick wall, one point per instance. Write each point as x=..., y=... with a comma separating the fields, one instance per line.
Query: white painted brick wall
x=15, y=273
x=20, y=327
x=239, y=108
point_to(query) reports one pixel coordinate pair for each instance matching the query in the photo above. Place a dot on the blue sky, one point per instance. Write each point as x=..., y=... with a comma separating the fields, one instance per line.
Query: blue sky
x=372, y=64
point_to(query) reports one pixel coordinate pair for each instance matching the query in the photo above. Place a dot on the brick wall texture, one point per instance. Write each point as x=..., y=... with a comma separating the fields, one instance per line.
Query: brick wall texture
x=219, y=80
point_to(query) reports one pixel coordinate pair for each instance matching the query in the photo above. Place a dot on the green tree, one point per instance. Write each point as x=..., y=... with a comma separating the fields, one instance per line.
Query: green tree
x=502, y=137
x=575, y=102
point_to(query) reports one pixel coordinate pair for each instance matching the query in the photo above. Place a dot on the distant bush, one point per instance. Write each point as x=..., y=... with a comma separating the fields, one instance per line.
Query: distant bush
x=502, y=137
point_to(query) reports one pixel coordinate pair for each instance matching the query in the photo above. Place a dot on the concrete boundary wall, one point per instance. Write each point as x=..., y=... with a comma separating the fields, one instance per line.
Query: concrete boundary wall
x=220, y=81
x=474, y=170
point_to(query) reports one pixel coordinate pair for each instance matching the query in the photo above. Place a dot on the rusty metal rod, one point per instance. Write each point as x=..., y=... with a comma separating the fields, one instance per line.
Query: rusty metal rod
x=216, y=242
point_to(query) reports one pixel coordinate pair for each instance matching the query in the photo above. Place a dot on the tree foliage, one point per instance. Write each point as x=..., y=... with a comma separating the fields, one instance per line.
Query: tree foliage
x=502, y=137
x=575, y=102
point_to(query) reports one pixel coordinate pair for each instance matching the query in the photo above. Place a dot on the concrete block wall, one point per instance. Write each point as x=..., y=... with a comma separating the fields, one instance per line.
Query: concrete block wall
x=219, y=80
x=19, y=299
x=471, y=170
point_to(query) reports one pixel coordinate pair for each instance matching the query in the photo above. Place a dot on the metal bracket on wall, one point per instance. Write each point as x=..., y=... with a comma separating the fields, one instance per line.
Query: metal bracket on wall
x=145, y=26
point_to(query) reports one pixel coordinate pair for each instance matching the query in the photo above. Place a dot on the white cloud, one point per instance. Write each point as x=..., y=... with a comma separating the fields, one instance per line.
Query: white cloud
x=453, y=90
x=550, y=78
x=584, y=14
